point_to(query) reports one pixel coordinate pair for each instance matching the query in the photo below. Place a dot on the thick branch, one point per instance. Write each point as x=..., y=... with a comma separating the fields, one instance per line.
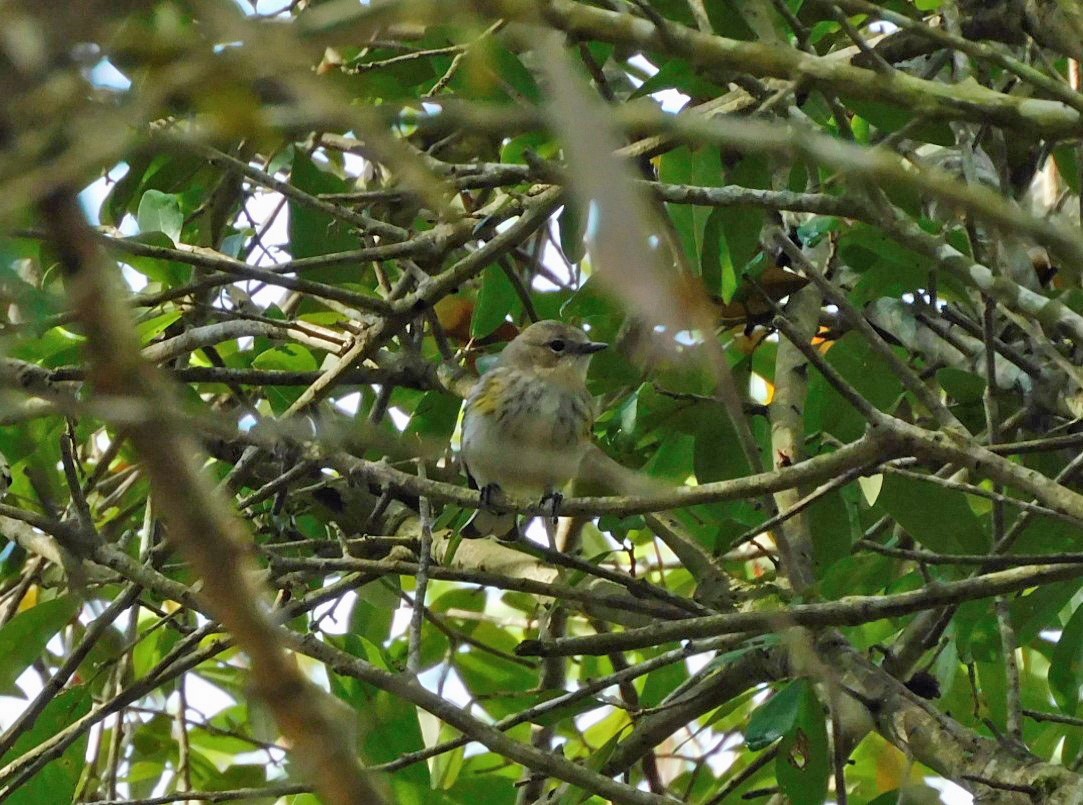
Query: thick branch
x=943, y=744
x=932, y=98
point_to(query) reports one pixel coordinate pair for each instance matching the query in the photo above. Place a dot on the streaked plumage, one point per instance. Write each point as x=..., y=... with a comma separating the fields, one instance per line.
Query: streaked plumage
x=528, y=420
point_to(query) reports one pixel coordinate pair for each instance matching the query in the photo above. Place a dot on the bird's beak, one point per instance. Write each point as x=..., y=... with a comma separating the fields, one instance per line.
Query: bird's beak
x=591, y=347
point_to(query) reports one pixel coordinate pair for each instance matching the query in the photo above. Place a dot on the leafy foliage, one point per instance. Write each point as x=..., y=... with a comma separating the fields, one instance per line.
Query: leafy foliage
x=825, y=549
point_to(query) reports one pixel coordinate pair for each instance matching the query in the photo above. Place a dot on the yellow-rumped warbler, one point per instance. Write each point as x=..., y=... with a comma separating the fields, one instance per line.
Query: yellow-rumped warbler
x=527, y=423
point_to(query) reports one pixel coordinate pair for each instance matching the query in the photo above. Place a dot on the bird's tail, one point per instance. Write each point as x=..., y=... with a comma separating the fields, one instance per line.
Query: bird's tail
x=486, y=524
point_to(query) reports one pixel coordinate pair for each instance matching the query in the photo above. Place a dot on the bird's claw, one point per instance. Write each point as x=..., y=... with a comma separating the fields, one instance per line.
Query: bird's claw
x=551, y=505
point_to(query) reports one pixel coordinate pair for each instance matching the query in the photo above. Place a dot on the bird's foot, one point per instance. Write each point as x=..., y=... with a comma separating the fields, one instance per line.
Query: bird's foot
x=488, y=495
x=550, y=503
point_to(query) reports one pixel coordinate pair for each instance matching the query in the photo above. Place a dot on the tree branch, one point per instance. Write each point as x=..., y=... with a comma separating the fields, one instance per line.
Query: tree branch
x=850, y=611
x=198, y=519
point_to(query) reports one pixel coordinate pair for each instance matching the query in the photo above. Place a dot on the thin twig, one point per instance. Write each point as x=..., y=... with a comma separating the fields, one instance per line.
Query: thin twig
x=1012, y=692
x=75, y=486
x=850, y=611
x=739, y=779
x=271, y=791
x=417, y=621
x=183, y=776
x=60, y=677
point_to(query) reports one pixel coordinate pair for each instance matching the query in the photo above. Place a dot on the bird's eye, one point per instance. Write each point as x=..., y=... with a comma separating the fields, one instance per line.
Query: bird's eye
x=557, y=345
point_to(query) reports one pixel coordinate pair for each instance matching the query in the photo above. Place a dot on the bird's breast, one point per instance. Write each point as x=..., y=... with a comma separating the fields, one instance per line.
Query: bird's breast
x=537, y=432
x=544, y=414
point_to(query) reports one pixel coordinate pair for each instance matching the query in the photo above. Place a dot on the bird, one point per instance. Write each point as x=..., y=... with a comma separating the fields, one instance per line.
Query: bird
x=527, y=424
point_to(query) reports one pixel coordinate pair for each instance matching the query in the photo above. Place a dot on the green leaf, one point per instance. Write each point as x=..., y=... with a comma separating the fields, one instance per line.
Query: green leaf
x=539, y=143
x=741, y=225
x=673, y=458
x=160, y=212
x=1037, y=610
x=887, y=268
x=150, y=650
x=775, y=717
x=34, y=303
x=485, y=778
x=551, y=718
x=145, y=776
x=977, y=635
x=802, y=766
x=463, y=599
x=497, y=300
x=661, y=683
x=595, y=762
x=728, y=20
x=57, y=781
x=511, y=69
x=447, y=767
x=289, y=358
x=680, y=75
x=938, y=518
x=286, y=357
x=854, y=359
x=168, y=272
x=387, y=725
x=717, y=457
x=715, y=267
x=241, y=775
x=964, y=387
x=701, y=166
x=232, y=726
x=435, y=415
x=675, y=10
x=122, y=193
x=821, y=30
x=313, y=233
x=489, y=677
x=374, y=610
x=832, y=538
x=1066, y=664
x=1067, y=160
x=24, y=637
x=1070, y=749
x=154, y=326
x=889, y=117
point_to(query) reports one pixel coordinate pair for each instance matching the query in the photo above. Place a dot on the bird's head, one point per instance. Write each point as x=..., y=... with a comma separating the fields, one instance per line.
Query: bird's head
x=551, y=349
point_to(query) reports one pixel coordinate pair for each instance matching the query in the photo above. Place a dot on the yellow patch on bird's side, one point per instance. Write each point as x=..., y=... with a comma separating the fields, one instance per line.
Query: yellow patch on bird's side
x=492, y=393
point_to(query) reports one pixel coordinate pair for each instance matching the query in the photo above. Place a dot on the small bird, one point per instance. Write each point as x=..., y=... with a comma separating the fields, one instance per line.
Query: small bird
x=527, y=423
